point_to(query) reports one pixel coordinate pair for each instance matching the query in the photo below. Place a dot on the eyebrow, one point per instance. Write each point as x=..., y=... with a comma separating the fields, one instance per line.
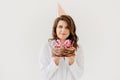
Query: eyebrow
x=62, y=25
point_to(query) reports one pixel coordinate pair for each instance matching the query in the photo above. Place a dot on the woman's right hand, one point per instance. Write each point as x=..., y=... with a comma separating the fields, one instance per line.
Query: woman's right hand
x=56, y=59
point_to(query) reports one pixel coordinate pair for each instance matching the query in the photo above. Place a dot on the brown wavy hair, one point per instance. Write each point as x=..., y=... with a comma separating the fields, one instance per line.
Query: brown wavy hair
x=71, y=27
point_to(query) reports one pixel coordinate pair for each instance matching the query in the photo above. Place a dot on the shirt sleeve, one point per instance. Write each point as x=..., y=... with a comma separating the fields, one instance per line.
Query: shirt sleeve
x=47, y=65
x=77, y=67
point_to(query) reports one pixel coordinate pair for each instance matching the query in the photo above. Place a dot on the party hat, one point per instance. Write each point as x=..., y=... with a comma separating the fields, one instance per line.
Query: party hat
x=60, y=11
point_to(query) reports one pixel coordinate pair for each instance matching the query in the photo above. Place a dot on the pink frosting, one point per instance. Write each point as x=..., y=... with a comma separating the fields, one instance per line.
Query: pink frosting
x=68, y=43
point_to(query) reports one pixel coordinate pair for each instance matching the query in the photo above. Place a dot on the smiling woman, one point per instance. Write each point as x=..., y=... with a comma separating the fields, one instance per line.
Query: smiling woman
x=60, y=57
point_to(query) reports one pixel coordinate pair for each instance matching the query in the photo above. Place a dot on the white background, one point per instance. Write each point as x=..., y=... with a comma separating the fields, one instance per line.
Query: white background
x=26, y=24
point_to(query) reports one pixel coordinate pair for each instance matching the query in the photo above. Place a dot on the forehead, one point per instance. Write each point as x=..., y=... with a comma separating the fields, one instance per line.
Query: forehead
x=62, y=22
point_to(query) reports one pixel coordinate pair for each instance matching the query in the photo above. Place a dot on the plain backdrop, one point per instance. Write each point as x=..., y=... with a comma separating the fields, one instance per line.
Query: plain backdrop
x=26, y=24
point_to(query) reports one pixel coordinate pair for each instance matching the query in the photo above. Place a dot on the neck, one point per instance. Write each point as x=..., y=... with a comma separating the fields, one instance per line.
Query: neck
x=62, y=40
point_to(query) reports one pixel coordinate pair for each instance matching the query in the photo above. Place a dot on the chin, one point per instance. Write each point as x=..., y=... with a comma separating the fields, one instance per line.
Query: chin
x=62, y=37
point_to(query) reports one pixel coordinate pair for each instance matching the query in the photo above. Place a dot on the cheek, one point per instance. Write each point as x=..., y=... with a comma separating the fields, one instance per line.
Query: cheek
x=57, y=31
x=68, y=32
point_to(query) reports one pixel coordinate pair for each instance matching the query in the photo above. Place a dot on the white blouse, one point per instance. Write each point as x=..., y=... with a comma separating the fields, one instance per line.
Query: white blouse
x=50, y=71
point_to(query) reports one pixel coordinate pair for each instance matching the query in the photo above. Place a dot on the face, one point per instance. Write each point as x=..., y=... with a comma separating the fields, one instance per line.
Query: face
x=62, y=30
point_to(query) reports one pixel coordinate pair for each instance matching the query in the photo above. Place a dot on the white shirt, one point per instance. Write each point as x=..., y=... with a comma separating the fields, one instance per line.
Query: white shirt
x=50, y=71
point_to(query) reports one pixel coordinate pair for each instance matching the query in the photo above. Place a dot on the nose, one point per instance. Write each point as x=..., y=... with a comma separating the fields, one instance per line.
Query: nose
x=63, y=29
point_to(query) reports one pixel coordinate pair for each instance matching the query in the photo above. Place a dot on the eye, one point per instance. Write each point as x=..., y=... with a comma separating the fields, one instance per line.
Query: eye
x=66, y=27
x=60, y=26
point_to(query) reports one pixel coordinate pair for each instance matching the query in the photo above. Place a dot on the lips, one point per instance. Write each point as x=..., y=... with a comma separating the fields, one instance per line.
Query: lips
x=63, y=34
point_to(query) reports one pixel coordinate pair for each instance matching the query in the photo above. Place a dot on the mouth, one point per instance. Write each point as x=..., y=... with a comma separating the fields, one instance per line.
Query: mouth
x=63, y=34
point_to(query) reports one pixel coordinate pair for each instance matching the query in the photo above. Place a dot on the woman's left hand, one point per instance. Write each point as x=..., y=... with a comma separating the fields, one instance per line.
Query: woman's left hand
x=71, y=60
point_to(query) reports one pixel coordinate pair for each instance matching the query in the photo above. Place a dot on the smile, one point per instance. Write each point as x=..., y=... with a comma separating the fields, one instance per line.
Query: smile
x=63, y=34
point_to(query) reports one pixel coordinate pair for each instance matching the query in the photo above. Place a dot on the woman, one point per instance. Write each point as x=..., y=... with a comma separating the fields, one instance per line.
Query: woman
x=53, y=64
